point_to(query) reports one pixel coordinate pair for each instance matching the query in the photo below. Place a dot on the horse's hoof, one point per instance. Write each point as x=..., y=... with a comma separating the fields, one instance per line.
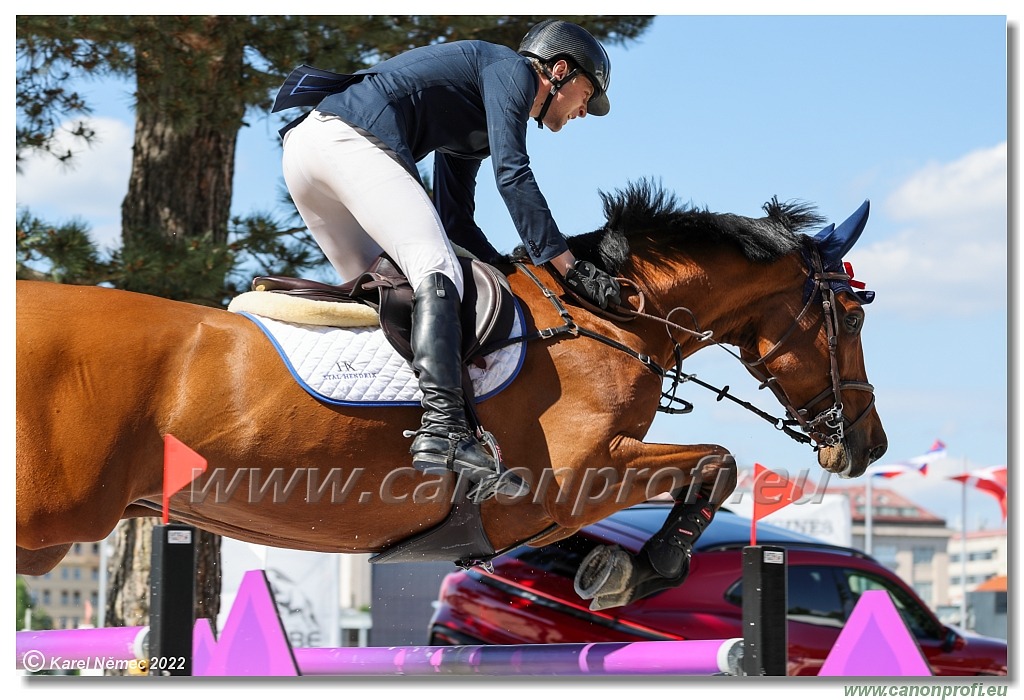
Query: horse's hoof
x=605, y=571
x=603, y=602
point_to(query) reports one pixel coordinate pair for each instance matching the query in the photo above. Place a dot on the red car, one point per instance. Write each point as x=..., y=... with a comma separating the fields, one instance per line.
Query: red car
x=530, y=597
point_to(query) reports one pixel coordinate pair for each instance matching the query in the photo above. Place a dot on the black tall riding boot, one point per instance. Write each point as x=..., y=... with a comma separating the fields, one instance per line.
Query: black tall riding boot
x=445, y=440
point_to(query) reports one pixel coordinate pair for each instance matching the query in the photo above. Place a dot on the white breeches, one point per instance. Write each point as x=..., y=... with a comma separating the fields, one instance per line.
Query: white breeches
x=357, y=201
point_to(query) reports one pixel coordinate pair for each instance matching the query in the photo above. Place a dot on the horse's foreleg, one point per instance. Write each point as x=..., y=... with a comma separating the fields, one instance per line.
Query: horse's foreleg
x=36, y=562
x=700, y=483
x=634, y=471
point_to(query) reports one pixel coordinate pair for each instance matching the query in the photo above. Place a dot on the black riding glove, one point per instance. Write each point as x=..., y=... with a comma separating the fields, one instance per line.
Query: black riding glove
x=593, y=284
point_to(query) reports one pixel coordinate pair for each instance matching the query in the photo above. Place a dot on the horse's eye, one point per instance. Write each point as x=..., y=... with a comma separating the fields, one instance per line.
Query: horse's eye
x=853, y=322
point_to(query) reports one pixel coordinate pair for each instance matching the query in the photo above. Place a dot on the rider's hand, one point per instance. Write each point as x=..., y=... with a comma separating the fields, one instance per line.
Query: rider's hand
x=593, y=284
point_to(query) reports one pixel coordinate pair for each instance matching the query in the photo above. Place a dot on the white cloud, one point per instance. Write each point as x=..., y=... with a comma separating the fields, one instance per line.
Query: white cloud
x=950, y=251
x=973, y=186
x=92, y=188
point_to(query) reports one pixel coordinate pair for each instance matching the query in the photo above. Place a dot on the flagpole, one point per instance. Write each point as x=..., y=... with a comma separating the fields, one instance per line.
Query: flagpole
x=867, y=516
x=334, y=638
x=919, y=464
x=101, y=597
x=963, y=549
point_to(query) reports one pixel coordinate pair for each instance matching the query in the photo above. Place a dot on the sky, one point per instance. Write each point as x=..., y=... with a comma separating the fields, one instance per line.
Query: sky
x=909, y=112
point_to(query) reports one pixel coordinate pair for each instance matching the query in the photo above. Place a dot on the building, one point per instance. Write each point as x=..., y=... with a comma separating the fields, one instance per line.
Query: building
x=905, y=538
x=65, y=591
x=978, y=558
x=939, y=563
x=986, y=608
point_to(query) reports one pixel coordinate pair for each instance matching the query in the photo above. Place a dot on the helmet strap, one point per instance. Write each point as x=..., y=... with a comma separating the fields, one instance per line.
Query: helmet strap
x=556, y=85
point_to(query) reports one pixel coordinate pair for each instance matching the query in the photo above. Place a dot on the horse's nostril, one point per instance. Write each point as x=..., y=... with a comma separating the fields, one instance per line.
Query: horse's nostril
x=877, y=452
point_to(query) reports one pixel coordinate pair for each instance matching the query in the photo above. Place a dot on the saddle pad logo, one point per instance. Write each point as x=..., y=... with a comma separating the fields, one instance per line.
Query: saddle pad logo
x=345, y=370
x=358, y=366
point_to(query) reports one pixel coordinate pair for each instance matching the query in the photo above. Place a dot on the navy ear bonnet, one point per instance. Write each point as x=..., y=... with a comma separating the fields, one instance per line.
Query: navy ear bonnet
x=833, y=243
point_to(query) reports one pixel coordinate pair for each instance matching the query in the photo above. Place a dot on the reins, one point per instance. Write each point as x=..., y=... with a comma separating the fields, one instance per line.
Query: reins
x=826, y=428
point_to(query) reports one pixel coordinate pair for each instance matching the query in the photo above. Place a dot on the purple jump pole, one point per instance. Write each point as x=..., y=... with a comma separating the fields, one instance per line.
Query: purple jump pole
x=49, y=648
x=697, y=657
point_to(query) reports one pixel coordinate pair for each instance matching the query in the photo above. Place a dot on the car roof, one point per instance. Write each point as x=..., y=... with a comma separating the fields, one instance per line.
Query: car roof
x=727, y=528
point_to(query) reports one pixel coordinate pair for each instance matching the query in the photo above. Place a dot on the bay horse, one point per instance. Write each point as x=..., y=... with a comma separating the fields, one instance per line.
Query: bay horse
x=104, y=374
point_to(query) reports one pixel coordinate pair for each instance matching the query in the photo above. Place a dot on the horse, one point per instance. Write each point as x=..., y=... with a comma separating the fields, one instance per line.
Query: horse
x=104, y=374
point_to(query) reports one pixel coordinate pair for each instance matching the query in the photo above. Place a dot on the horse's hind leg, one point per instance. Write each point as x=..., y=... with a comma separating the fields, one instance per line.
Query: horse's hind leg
x=36, y=562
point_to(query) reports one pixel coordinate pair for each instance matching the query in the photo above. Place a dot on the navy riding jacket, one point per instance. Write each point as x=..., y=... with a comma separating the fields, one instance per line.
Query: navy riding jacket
x=462, y=101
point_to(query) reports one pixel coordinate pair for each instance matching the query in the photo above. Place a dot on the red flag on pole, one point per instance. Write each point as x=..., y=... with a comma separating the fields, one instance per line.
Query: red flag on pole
x=181, y=466
x=991, y=480
x=771, y=491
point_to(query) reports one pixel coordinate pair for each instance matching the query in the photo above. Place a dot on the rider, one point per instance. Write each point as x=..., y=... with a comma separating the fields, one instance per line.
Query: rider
x=350, y=167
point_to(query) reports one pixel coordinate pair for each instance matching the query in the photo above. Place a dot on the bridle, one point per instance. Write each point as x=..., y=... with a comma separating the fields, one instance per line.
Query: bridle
x=826, y=429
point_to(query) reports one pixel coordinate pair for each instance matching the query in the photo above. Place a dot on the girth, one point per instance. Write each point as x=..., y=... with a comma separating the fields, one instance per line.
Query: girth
x=488, y=306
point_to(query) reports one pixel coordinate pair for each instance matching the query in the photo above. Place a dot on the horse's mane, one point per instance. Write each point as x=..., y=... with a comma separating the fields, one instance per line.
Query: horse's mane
x=645, y=215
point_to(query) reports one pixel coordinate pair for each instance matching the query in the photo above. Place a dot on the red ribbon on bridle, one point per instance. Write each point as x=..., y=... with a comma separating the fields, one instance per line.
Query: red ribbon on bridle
x=856, y=284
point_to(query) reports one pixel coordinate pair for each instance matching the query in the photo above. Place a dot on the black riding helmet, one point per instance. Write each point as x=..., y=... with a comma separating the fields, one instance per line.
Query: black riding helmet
x=553, y=39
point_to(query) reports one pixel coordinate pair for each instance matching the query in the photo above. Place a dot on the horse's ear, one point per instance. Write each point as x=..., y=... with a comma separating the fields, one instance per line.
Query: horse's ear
x=835, y=242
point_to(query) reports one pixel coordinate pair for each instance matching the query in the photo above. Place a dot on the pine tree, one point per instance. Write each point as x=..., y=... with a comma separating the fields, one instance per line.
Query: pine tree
x=196, y=80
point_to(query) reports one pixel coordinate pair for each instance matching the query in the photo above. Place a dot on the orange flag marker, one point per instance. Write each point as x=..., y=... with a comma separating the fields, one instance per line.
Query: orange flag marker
x=771, y=491
x=180, y=466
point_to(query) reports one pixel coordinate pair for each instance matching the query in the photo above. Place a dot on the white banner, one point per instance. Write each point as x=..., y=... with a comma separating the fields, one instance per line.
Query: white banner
x=825, y=517
x=305, y=586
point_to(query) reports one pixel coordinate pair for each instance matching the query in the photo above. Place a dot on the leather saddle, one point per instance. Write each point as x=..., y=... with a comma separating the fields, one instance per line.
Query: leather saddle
x=488, y=315
x=488, y=306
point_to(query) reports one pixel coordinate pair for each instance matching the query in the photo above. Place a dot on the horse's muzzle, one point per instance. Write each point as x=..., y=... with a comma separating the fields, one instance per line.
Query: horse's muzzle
x=850, y=458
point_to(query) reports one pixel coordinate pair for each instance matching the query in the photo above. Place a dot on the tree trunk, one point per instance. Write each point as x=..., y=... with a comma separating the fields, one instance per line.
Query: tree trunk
x=190, y=101
x=189, y=110
x=128, y=574
x=208, y=577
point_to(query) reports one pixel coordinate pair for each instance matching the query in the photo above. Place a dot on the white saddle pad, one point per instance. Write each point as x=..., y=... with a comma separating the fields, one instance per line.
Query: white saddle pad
x=358, y=366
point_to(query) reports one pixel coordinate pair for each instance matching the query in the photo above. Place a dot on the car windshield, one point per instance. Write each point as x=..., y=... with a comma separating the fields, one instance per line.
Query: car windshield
x=920, y=622
x=826, y=595
x=814, y=596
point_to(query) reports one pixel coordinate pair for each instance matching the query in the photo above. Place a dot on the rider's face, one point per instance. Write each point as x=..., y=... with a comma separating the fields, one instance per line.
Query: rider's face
x=570, y=102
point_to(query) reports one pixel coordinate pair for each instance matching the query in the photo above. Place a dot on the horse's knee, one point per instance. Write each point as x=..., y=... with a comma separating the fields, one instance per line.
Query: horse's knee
x=716, y=476
x=726, y=479
x=36, y=562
